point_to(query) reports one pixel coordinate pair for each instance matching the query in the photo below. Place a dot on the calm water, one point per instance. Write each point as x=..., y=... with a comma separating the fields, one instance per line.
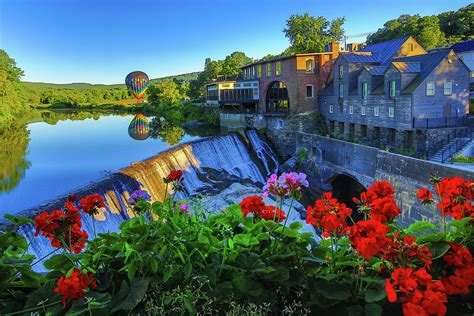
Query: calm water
x=64, y=154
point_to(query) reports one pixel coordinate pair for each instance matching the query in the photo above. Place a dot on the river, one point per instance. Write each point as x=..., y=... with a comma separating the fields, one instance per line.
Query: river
x=62, y=151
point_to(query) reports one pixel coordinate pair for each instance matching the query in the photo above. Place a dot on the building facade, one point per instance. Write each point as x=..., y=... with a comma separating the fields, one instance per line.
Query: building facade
x=387, y=93
x=287, y=84
x=465, y=51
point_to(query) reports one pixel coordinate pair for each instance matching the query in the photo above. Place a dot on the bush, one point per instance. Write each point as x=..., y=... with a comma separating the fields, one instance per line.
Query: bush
x=246, y=258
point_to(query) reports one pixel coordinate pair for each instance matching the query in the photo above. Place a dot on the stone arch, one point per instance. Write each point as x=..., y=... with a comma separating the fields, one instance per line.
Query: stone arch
x=277, y=97
x=345, y=187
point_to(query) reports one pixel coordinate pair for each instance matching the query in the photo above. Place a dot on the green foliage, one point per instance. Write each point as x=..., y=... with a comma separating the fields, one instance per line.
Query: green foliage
x=310, y=34
x=461, y=158
x=430, y=31
x=167, y=93
x=14, y=140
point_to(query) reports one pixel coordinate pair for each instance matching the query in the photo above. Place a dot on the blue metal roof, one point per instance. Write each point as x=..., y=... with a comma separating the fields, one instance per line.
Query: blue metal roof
x=376, y=70
x=360, y=57
x=385, y=50
x=462, y=47
x=404, y=66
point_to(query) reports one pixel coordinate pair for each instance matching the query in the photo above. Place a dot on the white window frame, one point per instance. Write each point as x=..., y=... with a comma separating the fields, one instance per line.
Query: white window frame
x=362, y=110
x=376, y=111
x=341, y=71
x=447, y=84
x=331, y=108
x=309, y=62
x=430, y=88
x=312, y=91
x=341, y=90
x=391, y=111
x=351, y=109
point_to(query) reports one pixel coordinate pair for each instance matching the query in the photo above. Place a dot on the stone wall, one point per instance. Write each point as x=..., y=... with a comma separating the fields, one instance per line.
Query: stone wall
x=330, y=157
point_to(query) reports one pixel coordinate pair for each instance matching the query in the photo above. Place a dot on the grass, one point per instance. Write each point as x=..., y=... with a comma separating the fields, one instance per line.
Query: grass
x=461, y=158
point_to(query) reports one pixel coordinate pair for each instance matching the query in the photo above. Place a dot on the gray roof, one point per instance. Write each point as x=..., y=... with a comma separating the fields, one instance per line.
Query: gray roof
x=428, y=62
x=462, y=47
x=385, y=50
x=407, y=67
x=360, y=57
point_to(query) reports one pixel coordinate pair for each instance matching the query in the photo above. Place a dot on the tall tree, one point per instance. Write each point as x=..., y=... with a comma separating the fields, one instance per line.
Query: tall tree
x=310, y=34
x=12, y=98
x=233, y=62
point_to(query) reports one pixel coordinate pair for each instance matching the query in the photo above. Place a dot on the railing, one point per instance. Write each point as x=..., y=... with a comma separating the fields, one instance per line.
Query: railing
x=449, y=152
x=452, y=144
x=457, y=133
x=438, y=122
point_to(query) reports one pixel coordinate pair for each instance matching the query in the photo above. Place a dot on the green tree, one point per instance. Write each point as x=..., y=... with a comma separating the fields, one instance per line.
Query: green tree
x=166, y=93
x=232, y=63
x=310, y=34
x=458, y=25
x=12, y=97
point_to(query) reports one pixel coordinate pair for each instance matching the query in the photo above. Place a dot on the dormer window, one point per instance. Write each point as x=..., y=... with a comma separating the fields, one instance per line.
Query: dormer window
x=309, y=65
x=341, y=71
x=410, y=47
x=392, y=88
x=365, y=89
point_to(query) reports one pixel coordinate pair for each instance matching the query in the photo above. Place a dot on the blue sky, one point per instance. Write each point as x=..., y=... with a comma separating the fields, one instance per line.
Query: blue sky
x=100, y=41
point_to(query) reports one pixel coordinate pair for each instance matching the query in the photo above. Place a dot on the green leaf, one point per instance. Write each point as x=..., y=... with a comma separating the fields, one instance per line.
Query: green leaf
x=421, y=226
x=354, y=310
x=376, y=292
x=433, y=238
x=230, y=242
x=131, y=269
x=373, y=310
x=246, y=240
x=246, y=285
x=154, y=265
x=334, y=290
x=189, y=306
x=128, y=297
x=58, y=262
x=315, y=259
x=18, y=220
x=296, y=226
x=188, y=269
x=167, y=275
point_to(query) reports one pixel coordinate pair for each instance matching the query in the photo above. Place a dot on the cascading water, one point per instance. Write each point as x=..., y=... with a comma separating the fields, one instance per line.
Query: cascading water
x=209, y=165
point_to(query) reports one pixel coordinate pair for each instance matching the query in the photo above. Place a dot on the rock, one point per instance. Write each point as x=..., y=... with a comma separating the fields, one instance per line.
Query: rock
x=237, y=191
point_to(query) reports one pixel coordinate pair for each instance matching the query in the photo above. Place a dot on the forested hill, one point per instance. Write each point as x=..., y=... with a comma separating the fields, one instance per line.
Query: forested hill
x=81, y=85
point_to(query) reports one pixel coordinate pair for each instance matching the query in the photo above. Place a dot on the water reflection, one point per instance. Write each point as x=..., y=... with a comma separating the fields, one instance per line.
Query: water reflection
x=13, y=163
x=139, y=127
x=166, y=131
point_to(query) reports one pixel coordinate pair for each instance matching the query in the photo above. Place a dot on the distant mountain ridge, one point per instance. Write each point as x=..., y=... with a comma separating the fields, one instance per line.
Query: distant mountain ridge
x=84, y=85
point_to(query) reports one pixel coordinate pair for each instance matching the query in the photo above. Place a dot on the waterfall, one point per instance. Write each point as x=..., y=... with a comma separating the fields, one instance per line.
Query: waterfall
x=209, y=165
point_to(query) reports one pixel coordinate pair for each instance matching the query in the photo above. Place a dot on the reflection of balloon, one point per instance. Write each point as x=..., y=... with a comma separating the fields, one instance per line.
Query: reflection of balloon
x=139, y=127
x=137, y=82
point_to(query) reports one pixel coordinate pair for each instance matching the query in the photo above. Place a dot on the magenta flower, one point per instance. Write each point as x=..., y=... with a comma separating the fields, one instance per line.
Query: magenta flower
x=137, y=196
x=286, y=184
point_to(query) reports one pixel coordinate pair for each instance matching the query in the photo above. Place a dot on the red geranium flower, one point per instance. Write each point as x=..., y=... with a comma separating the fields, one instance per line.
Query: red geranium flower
x=328, y=215
x=91, y=203
x=369, y=237
x=384, y=209
x=456, y=195
x=271, y=212
x=174, y=175
x=74, y=287
x=424, y=195
x=252, y=204
x=405, y=252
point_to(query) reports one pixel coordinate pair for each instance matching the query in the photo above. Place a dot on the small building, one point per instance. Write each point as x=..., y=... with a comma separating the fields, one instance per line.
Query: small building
x=238, y=95
x=386, y=93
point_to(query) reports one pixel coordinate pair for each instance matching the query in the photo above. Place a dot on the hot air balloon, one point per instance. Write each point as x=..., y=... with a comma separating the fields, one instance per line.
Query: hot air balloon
x=139, y=127
x=137, y=82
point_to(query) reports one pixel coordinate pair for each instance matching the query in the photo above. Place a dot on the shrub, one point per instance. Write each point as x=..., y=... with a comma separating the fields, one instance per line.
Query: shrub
x=246, y=259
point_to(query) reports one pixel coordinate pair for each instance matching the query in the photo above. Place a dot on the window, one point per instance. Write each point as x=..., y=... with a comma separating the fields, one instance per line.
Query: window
x=269, y=70
x=341, y=91
x=376, y=111
x=362, y=110
x=448, y=88
x=253, y=71
x=259, y=71
x=278, y=69
x=309, y=91
x=365, y=89
x=392, y=88
x=341, y=71
x=351, y=109
x=410, y=47
x=391, y=112
x=430, y=89
x=472, y=74
x=331, y=108
x=309, y=65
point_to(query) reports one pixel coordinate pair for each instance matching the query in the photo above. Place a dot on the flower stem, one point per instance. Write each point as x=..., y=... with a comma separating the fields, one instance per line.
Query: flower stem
x=287, y=215
x=34, y=308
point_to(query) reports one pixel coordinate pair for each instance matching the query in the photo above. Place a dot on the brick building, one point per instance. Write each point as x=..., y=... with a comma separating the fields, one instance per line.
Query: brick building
x=391, y=93
x=287, y=84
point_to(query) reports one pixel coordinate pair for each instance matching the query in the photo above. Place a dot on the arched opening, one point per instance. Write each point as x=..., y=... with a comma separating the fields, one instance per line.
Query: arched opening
x=345, y=188
x=277, y=98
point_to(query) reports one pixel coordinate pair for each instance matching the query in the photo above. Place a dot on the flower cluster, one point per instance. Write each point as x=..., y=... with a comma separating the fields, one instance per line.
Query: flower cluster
x=379, y=201
x=455, y=197
x=404, y=252
x=329, y=215
x=91, y=204
x=256, y=206
x=174, y=176
x=288, y=184
x=459, y=260
x=74, y=286
x=137, y=196
x=417, y=291
x=369, y=237
x=62, y=227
